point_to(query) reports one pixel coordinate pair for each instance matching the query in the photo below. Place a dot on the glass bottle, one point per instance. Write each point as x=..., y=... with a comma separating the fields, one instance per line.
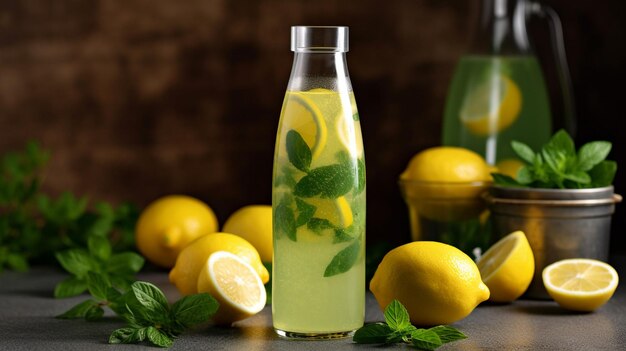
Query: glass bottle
x=318, y=194
x=498, y=93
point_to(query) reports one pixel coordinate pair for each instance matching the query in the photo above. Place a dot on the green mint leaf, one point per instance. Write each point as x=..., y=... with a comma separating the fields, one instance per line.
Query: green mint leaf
x=361, y=176
x=563, y=143
x=398, y=336
x=285, y=221
x=523, y=151
x=356, y=117
x=372, y=334
x=305, y=212
x=78, y=311
x=98, y=285
x=555, y=159
x=94, y=313
x=69, y=287
x=286, y=177
x=578, y=177
x=603, y=173
x=158, y=337
x=425, y=339
x=591, y=154
x=327, y=181
x=344, y=260
x=448, y=334
x=117, y=302
x=343, y=235
x=125, y=263
x=524, y=176
x=99, y=247
x=298, y=151
x=122, y=282
x=76, y=261
x=318, y=225
x=396, y=316
x=194, y=309
x=504, y=180
x=127, y=335
x=17, y=262
x=152, y=299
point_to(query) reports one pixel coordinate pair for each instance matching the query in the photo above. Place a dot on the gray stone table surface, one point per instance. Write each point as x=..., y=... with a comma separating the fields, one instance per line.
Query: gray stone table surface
x=27, y=322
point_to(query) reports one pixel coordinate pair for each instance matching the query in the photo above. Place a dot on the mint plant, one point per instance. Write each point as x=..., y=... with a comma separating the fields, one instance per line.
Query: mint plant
x=559, y=166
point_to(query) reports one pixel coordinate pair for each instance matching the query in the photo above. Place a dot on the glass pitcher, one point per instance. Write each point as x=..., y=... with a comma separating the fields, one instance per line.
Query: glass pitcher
x=498, y=93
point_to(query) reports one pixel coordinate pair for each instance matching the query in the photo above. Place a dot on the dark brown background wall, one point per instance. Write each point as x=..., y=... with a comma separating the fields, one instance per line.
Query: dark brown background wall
x=142, y=98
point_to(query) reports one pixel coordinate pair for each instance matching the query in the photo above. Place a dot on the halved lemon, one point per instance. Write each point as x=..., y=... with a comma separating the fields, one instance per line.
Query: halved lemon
x=492, y=106
x=337, y=211
x=580, y=284
x=306, y=118
x=507, y=267
x=234, y=284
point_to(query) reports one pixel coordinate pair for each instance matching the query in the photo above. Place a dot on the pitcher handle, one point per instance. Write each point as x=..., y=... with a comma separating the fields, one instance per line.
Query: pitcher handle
x=558, y=46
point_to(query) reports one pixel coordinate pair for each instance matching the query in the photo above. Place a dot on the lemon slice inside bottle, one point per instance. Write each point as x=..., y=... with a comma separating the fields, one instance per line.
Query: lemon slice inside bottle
x=491, y=106
x=307, y=119
x=337, y=211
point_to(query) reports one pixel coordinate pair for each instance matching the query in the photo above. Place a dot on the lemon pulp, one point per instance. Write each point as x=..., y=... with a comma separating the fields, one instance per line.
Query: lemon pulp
x=507, y=267
x=580, y=284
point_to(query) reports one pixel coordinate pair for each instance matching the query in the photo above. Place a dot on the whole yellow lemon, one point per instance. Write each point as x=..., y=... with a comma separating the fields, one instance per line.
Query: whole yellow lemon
x=436, y=282
x=447, y=164
x=444, y=183
x=168, y=224
x=253, y=223
x=194, y=256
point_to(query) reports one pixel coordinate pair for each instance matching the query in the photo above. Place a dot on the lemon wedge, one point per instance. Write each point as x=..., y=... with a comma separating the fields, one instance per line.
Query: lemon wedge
x=492, y=106
x=507, y=267
x=337, y=211
x=234, y=284
x=307, y=119
x=580, y=284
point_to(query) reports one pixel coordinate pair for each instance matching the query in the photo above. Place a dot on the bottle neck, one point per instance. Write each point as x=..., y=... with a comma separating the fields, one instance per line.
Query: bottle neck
x=502, y=28
x=328, y=70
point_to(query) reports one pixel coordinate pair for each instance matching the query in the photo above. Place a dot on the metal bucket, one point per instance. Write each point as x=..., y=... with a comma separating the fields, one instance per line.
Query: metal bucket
x=559, y=223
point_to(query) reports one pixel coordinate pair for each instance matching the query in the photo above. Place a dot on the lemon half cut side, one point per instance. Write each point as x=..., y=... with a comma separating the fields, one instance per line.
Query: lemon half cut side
x=234, y=284
x=491, y=106
x=507, y=267
x=580, y=284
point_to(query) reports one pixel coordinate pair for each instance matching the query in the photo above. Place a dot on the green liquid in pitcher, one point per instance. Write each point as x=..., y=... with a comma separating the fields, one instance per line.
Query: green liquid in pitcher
x=496, y=99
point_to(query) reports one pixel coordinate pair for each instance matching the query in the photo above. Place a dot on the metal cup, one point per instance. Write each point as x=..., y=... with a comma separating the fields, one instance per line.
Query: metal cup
x=559, y=223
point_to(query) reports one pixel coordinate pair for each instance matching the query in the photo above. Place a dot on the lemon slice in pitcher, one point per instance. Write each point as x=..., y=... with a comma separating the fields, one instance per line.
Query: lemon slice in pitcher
x=307, y=119
x=492, y=106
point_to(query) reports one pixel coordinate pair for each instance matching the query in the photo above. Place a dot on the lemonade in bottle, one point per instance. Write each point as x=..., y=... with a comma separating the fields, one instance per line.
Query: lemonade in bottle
x=318, y=194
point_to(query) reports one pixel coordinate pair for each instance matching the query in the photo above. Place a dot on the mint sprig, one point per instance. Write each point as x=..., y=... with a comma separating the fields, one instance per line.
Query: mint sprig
x=117, y=269
x=398, y=329
x=559, y=166
x=151, y=318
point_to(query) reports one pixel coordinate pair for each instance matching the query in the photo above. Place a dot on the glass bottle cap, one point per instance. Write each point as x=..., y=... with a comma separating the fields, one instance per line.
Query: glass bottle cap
x=319, y=39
